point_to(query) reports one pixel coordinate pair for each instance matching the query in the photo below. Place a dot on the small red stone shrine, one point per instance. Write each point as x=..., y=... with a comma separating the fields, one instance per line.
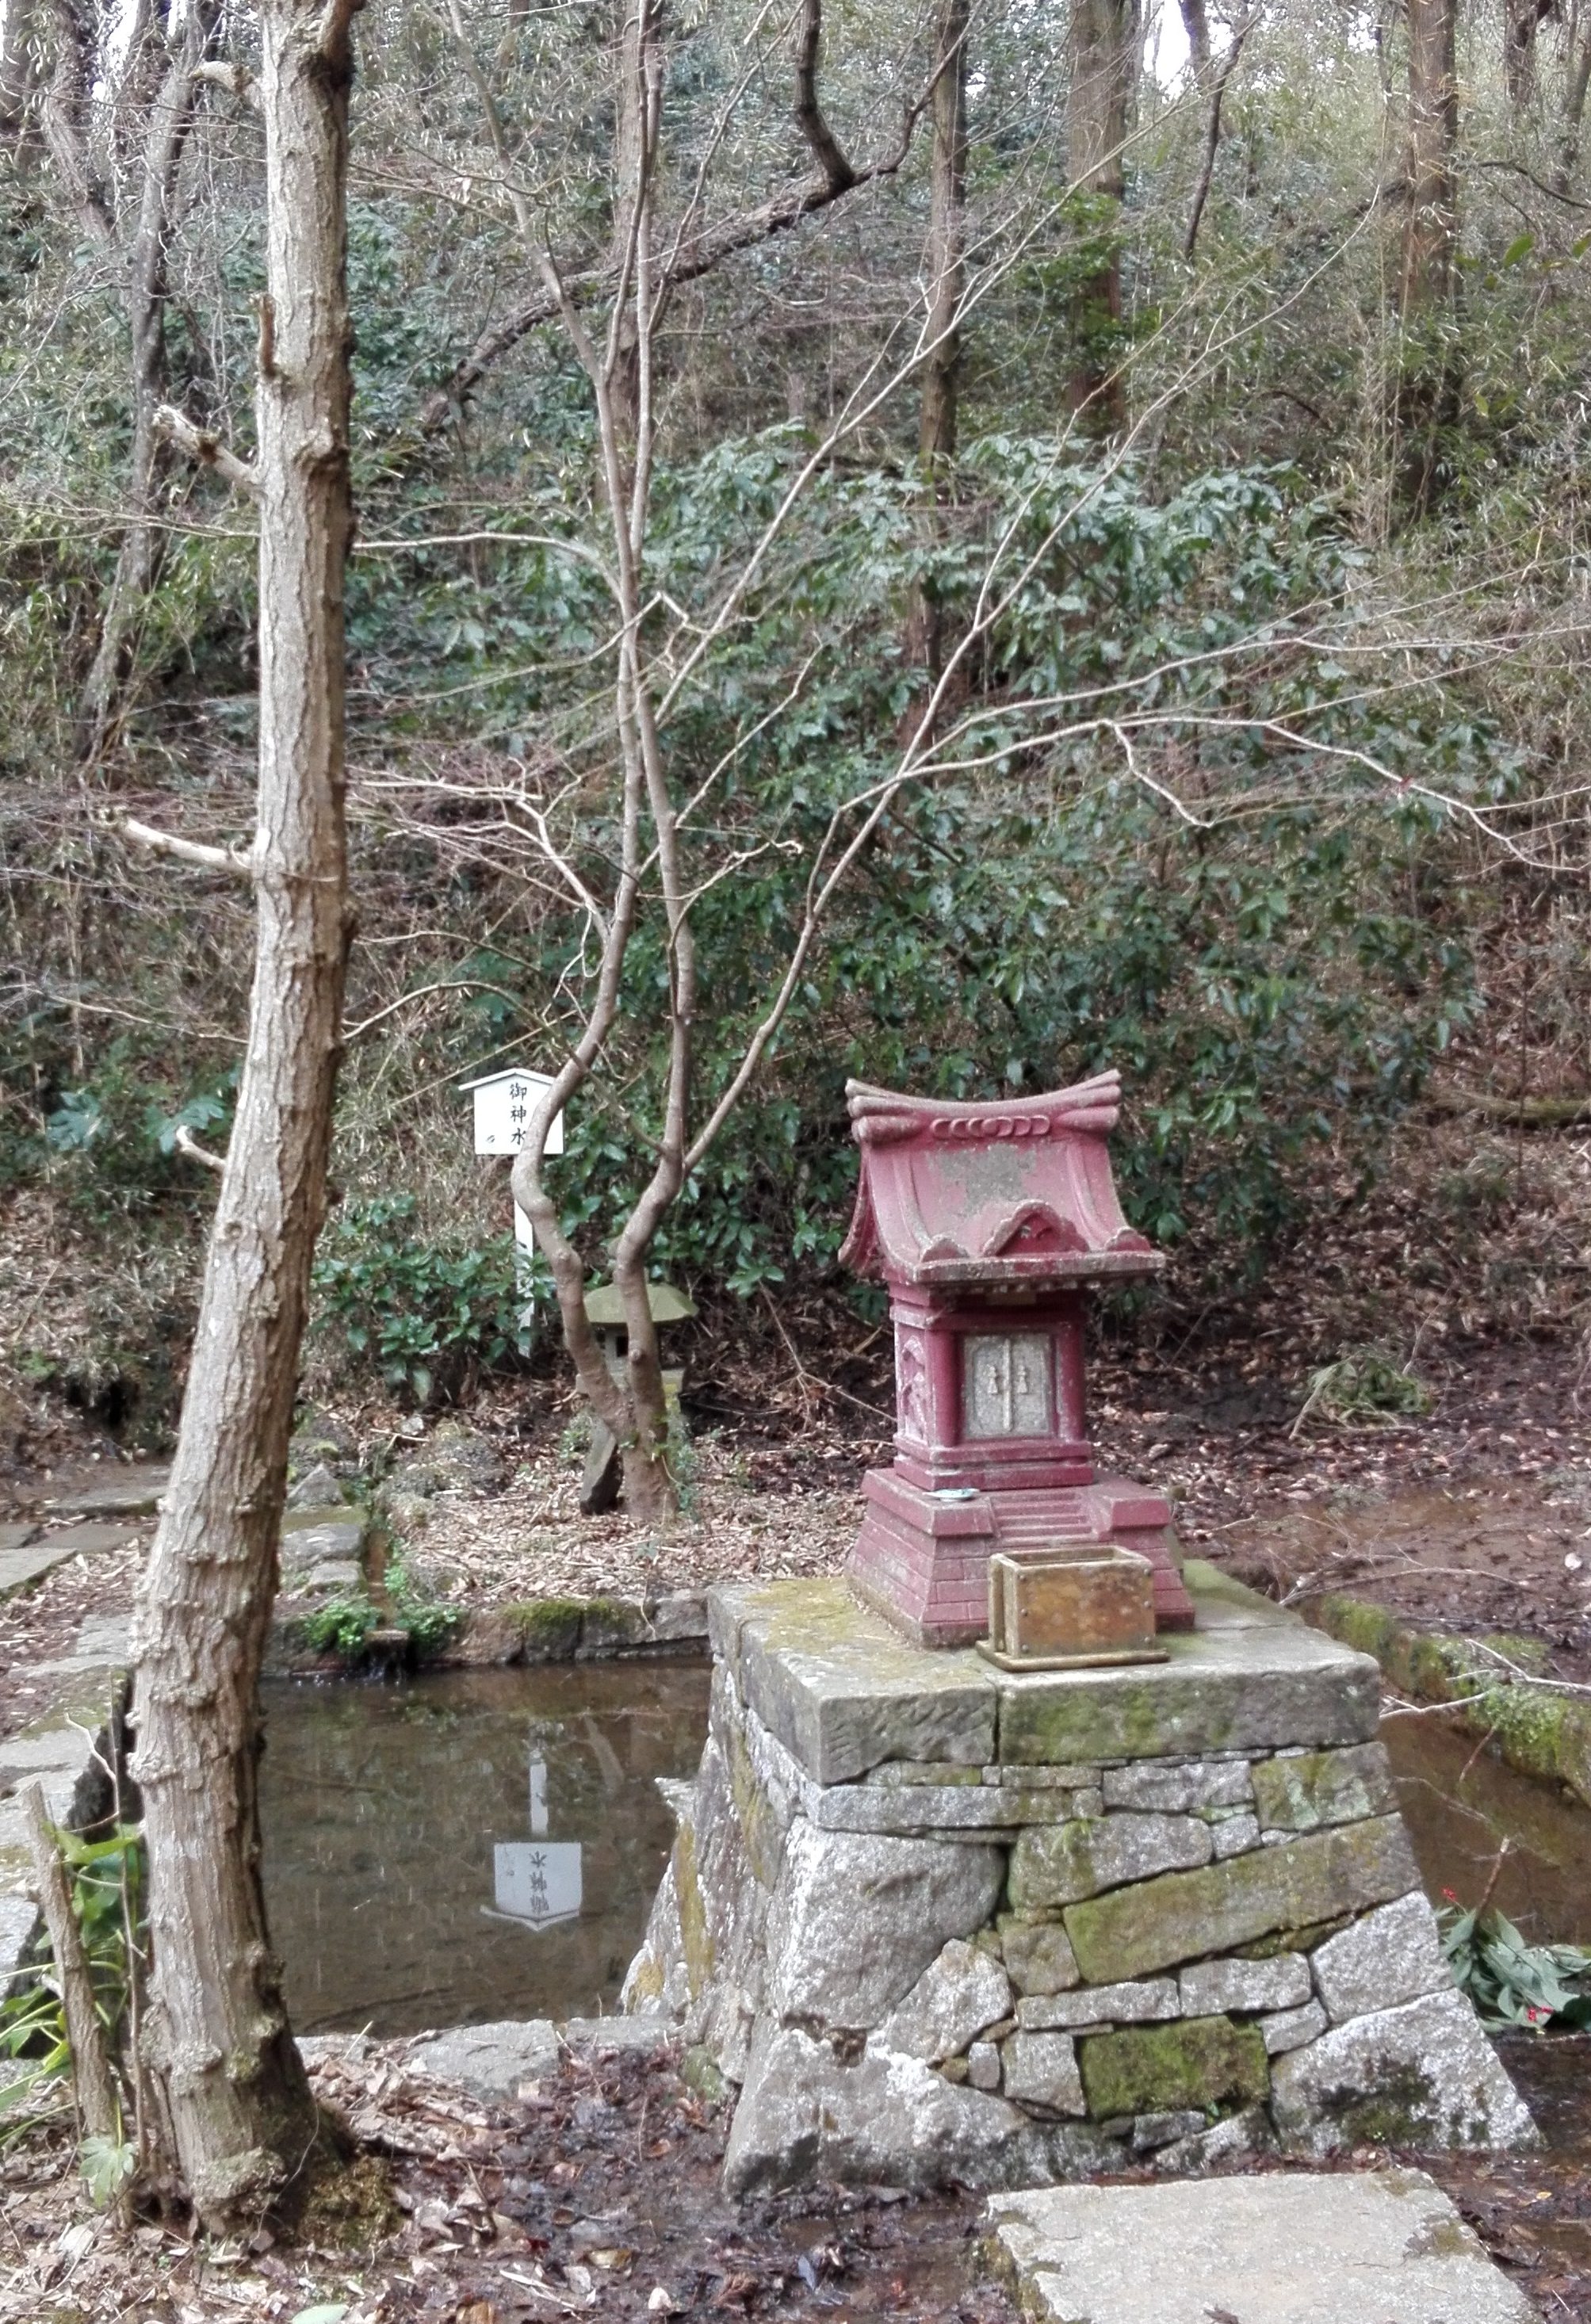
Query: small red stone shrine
x=988, y=1222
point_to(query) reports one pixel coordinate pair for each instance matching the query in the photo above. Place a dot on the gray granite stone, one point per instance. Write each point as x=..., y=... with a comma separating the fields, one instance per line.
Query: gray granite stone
x=1181, y=1789
x=1213, y=1987
x=1391, y=1955
x=1420, y=2075
x=856, y=1918
x=639, y=2034
x=491, y=2061
x=840, y=1689
x=133, y=1491
x=318, y=1539
x=30, y=1563
x=1304, y=1791
x=959, y=1994
x=1039, y=1956
x=1248, y=1689
x=1233, y=1835
x=1289, y=2029
x=1143, y=2002
x=1067, y=1862
x=1381, y=2248
x=983, y=2065
x=1040, y=2069
x=910, y=1808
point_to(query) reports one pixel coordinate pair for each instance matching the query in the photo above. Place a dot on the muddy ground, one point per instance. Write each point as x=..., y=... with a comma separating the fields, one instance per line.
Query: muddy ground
x=596, y=2192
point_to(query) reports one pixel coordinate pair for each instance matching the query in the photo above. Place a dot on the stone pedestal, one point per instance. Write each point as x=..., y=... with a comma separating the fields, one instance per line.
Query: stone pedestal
x=939, y=1921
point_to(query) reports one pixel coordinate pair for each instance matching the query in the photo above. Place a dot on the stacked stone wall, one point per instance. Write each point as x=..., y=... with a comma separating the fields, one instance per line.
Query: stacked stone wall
x=1006, y=1970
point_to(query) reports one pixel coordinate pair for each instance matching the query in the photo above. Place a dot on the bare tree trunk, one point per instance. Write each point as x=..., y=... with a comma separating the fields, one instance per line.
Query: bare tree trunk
x=638, y=78
x=171, y=119
x=1427, y=379
x=17, y=72
x=1105, y=36
x=1522, y=20
x=1575, y=84
x=1217, y=83
x=91, y=2076
x=941, y=374
x=243, y=2118
x=1196, y=23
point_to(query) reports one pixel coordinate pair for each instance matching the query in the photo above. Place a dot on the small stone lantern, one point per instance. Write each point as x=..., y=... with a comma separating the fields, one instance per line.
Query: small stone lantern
x=988, y=1223
x=605, y=1312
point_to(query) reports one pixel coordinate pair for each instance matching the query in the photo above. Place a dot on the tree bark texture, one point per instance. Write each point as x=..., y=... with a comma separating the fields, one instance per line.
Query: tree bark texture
x=147, y=262
x=1426, y=395
x=1430, y=219
x=218, y=2039
x=1104, y=40
x=91, y=2076
x=946, y=236
x=1522, y=20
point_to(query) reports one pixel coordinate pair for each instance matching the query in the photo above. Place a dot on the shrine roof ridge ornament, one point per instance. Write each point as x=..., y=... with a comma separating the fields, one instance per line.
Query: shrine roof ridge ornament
x=1010, y=1191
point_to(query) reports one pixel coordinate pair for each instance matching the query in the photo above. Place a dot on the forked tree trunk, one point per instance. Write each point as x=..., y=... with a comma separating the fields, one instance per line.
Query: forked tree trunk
x=1104, y=38
x=243, y=2118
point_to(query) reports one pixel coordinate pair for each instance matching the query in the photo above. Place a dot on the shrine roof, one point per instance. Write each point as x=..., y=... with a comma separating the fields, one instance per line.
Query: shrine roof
x=1016, y=1191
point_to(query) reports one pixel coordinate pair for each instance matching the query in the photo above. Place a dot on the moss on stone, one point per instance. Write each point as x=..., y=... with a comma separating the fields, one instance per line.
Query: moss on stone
x=761, y=1829
x=1207, y=2062
x=1183, y=1916
x=1369, y=1628
x=695, y=1939
x=1312, y=1788
x=549, y=1628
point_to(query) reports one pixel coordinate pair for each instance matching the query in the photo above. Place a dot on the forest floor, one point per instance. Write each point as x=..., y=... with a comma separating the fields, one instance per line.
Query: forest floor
x=597, y=2192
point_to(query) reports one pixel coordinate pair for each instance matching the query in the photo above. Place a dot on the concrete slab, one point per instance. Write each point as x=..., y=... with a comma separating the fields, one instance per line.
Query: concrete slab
x=17, y=1537
x=1381, y=2247
x=102, y=1644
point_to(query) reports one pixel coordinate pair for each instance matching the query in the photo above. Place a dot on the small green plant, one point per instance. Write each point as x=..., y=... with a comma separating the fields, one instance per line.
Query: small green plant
x=1512, y=1983
x=428, y=1621
x=107, y=1878
x=339, y=1626
x=574, y=1441
x=1364, y=1384
x=428, y=1316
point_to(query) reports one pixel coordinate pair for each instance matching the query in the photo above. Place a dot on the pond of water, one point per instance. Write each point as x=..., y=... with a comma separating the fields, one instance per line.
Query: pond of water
x=470, y=1845
x=486, y=1844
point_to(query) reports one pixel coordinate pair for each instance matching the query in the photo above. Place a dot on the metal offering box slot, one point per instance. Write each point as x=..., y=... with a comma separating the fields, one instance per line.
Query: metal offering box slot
x=1071, y=1606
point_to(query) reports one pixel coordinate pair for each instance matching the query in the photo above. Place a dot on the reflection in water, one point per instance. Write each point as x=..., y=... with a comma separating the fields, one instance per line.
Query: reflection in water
x=412, y=1877
x=1461, y=1805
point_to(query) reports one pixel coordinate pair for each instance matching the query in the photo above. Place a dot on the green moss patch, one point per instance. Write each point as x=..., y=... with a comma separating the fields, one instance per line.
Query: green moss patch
x=549, y=1628
x=1207, y=2063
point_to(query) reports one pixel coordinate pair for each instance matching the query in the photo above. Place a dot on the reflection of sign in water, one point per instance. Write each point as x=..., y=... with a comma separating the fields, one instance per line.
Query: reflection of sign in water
x=538, y=1881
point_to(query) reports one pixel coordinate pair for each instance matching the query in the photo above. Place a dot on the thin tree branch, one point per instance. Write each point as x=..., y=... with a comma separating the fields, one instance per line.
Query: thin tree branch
x=186, y=1143
x=188, y=851
x=203, y=445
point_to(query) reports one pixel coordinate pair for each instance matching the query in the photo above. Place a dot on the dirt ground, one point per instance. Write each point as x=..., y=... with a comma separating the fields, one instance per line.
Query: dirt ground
x=596, y=2192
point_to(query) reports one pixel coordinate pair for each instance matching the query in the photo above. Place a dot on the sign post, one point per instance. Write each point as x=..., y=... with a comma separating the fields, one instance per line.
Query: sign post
x=504, y=1103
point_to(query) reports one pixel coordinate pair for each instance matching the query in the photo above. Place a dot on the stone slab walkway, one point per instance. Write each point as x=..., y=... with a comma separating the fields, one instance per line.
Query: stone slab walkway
x=1376, y=2247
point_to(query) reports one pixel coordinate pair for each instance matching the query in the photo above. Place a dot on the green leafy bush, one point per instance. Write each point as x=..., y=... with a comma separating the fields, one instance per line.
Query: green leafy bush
x=1512, y=1983
x=339, y=1626
x=427, y=1315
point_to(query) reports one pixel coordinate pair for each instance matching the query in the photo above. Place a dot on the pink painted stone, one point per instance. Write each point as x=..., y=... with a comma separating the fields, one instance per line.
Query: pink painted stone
x=988, y=1222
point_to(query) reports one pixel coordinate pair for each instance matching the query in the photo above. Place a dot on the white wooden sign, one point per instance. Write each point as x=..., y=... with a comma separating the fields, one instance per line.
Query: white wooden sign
x=503, y=1103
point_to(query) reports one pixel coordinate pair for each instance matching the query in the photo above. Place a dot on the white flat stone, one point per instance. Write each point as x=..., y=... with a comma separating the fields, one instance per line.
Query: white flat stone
x=1385, y=2247
x=491, y=2061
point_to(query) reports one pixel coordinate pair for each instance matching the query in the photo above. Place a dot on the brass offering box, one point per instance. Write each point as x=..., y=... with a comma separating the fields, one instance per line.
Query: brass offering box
x=1071, y=1606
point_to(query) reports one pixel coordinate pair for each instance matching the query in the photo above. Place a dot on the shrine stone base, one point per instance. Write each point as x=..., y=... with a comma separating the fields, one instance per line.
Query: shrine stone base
x=937, y=1922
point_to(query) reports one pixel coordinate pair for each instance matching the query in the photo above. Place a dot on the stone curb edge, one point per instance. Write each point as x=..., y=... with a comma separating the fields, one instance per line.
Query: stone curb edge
x=1540, y=1732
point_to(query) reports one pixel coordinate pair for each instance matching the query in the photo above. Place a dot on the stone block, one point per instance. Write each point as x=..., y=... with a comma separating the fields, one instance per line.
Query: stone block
x=910, y=1808
x=1198, y=2061
x=1039, y=1956
x=1179, y=1790
x=1038, y=1779
x=1307, y=1790
x=840, y=1689
x=1289, y=2029
x=22, y=1566
x=1385, y=2247
x=1139, y=2004
x=1065, y=1862
x=885, y=2120
x=1421, y=2075
x=1213, y=1987
x=333, y=1577
x=642, y=2033
x=680, y=1617
x=611, y=1626
x=937, y=1774
x=858, y=1918
x=491, y=2061
x=1391, y=1955
x=955, y=1997
x=319, y=1540
x=1241, y=1689
x=133, y=1491
x=1234, y=1835
x=1224, y=2145
x=1151, y=2132
x=1183, y=1916
x=983, y=2065
x=1040, y=2069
